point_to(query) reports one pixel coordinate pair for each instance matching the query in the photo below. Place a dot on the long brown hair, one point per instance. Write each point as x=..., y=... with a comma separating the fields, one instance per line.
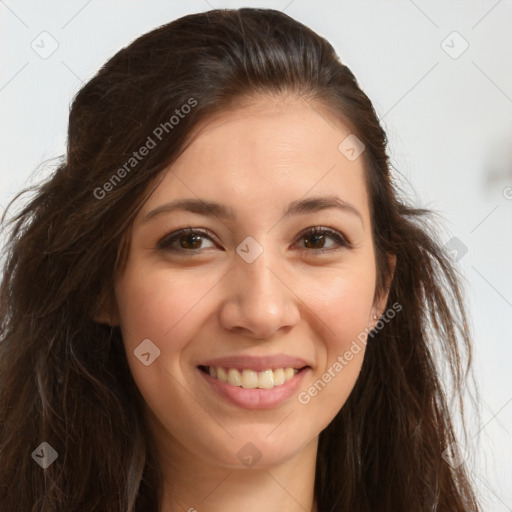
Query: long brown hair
x=64, y=378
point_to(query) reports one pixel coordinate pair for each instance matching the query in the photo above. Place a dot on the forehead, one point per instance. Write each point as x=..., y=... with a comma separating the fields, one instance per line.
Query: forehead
x=263, y=151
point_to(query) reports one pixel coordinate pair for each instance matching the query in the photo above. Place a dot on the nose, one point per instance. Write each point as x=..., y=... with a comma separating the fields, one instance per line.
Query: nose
x=259, y=300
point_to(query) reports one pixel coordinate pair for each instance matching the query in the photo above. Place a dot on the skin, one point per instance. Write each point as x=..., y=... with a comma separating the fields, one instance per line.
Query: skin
x=292, y=299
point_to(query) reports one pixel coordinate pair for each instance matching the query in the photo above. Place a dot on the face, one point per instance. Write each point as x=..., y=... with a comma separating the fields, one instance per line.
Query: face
x=268, y=280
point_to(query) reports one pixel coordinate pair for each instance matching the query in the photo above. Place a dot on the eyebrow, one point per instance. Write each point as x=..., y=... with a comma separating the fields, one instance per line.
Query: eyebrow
x=214, y=209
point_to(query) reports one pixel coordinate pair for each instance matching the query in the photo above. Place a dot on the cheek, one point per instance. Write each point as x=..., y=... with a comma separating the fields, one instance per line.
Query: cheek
x=159, y=305
x=343, y=307
x=342, y=300
x=167, y=308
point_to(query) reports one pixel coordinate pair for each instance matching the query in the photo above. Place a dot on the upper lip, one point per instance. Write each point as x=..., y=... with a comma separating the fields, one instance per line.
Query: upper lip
x=257, y=364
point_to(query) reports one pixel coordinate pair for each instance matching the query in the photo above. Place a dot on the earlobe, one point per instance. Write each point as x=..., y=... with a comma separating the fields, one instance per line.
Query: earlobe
x=389, y=280
x=392, y=266
x=374, y=321
x=380, y=304
x=107, y=312
x=105, y=319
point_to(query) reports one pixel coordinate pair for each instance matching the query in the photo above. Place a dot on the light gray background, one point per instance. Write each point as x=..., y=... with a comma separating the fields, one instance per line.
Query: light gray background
x=448, y=121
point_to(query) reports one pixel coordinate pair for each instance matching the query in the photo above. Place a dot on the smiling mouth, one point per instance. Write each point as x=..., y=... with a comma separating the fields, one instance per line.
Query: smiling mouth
x=250, y=379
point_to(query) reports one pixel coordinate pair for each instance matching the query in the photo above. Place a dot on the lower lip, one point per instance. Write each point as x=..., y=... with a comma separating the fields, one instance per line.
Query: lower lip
x=255, y=398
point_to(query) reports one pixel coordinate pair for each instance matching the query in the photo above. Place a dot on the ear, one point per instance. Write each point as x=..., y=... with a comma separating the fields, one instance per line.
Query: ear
x=106, y=312
x=380, y=301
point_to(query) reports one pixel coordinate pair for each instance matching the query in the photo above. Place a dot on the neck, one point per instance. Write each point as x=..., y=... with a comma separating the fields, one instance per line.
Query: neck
x=193, y=484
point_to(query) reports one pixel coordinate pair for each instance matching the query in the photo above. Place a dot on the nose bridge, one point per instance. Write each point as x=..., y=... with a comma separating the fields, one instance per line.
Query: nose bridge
x=259, y=281
x=257, y=299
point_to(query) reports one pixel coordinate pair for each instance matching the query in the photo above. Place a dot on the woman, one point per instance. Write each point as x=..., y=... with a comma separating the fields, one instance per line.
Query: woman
x=219, y=300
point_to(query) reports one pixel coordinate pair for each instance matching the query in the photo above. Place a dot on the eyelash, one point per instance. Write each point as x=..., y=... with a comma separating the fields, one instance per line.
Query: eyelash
x=165, y=243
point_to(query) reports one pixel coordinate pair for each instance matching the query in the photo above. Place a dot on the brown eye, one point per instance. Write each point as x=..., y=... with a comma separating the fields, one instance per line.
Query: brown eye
x=189, y=241
x=185, y=240
x=316, y=239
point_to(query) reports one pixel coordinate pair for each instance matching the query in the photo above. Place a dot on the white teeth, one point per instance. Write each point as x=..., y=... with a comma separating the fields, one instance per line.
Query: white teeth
x=279, y=377
x=221, y=374
x=266, y=379
x=249, y=379
x=289, y=373
x=234, y=377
